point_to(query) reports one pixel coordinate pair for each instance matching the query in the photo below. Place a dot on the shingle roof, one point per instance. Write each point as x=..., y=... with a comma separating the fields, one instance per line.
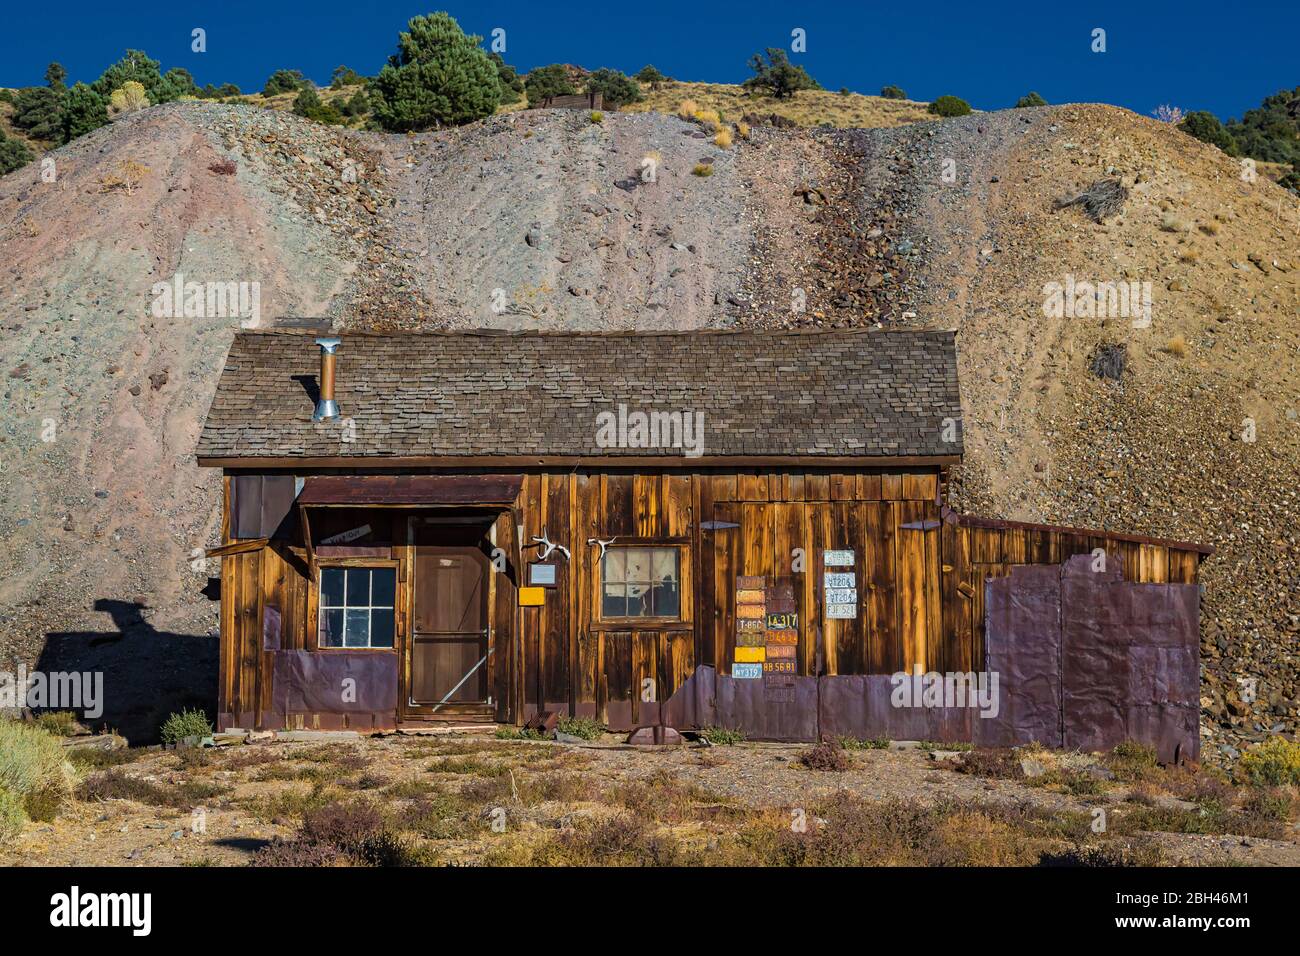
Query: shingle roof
x=806, y=394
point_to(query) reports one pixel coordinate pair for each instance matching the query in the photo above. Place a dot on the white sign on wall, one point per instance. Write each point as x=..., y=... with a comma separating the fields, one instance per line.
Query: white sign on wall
x=837, y=559
x=845, y=612
x=839, y=579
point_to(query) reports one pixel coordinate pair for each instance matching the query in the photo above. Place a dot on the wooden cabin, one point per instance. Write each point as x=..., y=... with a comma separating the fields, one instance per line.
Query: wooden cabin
x=484, y=526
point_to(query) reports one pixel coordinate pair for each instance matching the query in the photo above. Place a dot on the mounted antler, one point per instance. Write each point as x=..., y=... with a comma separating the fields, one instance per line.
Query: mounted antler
x=603, y=544
x=545, y=542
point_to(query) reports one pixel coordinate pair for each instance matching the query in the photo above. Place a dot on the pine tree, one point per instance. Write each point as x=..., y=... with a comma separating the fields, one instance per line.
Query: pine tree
x=38, y=110
x=14, y=154
x=438, y=77
x=84, y=111
x=56, y=77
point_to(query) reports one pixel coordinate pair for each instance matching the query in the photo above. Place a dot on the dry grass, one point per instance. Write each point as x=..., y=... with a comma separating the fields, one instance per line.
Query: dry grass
x=723, y=139
x=807, y=108
x=1177, y=347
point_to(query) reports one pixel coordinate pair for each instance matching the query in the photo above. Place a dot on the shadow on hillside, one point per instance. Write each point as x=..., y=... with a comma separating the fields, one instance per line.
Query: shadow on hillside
x=147, y=673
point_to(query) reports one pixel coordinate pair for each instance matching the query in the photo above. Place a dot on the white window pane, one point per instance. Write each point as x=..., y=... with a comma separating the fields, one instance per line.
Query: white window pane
x=663, y=565
x=638, y=565
x=615, y=566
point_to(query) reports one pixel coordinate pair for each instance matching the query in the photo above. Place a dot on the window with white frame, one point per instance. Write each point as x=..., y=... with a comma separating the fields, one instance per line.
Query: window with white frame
x=356, y=606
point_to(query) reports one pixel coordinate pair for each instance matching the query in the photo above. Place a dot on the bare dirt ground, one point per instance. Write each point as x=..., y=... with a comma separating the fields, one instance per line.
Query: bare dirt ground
x=544, y=219
x=602, y=803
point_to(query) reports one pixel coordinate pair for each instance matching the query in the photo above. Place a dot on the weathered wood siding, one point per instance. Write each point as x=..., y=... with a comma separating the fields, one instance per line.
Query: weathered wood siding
x=919, y=573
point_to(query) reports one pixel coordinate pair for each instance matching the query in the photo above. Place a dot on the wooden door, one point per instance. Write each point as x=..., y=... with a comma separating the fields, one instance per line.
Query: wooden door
x=449, y=647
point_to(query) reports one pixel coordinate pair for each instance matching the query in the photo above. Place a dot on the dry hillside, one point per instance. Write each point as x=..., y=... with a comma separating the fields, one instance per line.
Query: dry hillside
x=545, y=219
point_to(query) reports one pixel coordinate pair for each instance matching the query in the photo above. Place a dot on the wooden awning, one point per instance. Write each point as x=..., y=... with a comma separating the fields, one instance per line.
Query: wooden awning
x=409, y=490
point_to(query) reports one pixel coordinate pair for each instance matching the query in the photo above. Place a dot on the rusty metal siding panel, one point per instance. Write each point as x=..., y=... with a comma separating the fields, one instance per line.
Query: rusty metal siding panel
x=308, y=682
x=1129, y=662
x=261, y=503
x=1022, y=624
x=784, y=714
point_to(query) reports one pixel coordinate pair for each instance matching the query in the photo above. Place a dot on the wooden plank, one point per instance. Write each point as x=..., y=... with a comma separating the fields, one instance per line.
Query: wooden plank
x=848, y=530
x=726, y=560
x=752, y=486
x=646, y=504
x=676, y=495
x=249, y=629
x=868, y=486
x=793, y=489
x=843, y=487
x=530, y=636
x=617, y=507
x=645, y=647
x=912, y=579
x=891, y=487
x=817, y=486
x=1183, y=566
x=679, y=662
x=879, y=578
x=725, y=487
x=825, y=633
x=919, y=487
x=934, y=652
x=1153, y=561
x=553, y=638
x=617, y=677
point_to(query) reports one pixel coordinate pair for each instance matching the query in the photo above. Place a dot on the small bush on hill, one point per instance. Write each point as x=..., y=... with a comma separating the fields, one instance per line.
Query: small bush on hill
x=84, y=110
x=651, y=77
x=345, y=76
x=60, y=723
x=284, y=81
x=777, y=75
x=1206, y=127
x=14, y=154
x=1275, y=762
x=1030, y=99
x=308, y=104
x=548, y=81
x=584, y=727
x=949, y=106
x=892, y=93
x=827, y=755
x=722, y=736
x=128, y=98
x=188, y=723
x=615, y=88
x=512, y=84
x=36, y=779
x=38, y=111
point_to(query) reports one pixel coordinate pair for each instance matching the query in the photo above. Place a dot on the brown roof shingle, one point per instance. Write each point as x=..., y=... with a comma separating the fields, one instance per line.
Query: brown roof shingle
x=827, y=394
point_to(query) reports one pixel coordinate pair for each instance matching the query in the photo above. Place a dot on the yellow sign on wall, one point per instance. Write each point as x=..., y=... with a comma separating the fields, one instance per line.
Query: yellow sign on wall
x=751, y=655
x=532, y=597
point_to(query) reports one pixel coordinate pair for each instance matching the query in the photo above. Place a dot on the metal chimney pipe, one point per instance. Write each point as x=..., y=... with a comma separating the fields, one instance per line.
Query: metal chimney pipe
x=326, y=407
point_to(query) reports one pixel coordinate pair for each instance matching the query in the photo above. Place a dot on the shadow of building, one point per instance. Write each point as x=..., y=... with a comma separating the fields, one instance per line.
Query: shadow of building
x=148, y=673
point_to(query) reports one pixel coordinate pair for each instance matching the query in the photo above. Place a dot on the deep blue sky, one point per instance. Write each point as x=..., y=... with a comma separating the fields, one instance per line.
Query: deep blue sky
x=1224, y=57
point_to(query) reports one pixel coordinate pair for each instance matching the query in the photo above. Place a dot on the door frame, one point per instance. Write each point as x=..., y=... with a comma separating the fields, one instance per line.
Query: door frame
x=406, y=711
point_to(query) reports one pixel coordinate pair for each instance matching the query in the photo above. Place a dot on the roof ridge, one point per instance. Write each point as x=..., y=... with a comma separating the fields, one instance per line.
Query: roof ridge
x=598, y=334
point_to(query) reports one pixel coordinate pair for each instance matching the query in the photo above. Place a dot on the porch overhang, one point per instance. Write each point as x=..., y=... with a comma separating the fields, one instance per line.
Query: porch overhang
x=408, y=491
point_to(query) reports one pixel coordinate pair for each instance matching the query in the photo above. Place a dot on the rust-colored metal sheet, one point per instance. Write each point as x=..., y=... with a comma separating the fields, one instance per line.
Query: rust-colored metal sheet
x=413, y=490
x=312, y=682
